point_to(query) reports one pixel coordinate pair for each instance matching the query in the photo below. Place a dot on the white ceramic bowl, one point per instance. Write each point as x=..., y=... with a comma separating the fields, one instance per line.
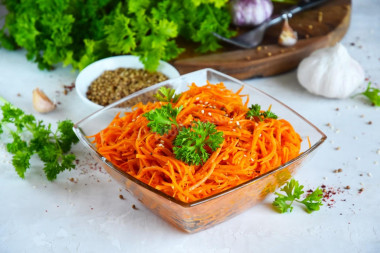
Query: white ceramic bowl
x=95, y=69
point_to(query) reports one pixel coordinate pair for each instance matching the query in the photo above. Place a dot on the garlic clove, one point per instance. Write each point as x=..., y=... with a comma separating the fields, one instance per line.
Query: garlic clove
x=288, y=36
x=41, y=102
x=330, y=72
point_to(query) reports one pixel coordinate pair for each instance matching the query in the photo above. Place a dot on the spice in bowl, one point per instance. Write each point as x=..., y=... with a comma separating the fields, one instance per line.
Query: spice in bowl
x=112, y=85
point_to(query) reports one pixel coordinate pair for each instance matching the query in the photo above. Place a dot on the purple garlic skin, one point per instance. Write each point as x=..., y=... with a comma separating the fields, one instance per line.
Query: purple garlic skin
x=250, y=12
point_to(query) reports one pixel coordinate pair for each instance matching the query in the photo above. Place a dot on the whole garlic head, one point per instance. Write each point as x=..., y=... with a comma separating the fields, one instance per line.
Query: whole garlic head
x=330, y=72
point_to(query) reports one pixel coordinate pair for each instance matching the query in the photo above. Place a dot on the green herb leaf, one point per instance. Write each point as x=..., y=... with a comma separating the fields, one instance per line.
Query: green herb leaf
x=33, y=137
x=313, y=201
x=21, y=163
x=191, y=144
x=162, y=119
x=255, y=111
x=283, y=203
x=270, y=115
x=373, y=94
x=293, y=191
x=167, y=95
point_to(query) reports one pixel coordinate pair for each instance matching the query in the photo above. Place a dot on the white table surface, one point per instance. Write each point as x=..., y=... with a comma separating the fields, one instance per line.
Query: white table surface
x=88, y=216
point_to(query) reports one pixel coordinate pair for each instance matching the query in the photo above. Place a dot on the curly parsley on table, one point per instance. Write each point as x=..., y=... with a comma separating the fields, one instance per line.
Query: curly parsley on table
x=283, y=203
x=30, y=137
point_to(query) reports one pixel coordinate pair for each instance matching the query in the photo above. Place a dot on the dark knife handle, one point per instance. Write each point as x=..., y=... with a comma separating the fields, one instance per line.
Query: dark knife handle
x=304, y=5
x=301, y=6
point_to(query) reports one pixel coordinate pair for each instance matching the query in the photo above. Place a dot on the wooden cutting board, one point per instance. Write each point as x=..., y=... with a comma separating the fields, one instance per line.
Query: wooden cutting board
x=317, y=28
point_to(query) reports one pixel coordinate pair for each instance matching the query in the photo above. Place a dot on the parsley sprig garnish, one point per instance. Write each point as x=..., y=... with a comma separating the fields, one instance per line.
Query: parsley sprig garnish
x=192, y=143
x=255, y=111
x=167, y=95
x=30, y=137
x=373, y=94
x=293, y=191
x=162, y=119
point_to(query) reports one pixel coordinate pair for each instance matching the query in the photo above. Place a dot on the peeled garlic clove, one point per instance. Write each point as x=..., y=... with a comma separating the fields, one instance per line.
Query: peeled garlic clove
x=288, y=36
x=330, y=72
x=41, y=102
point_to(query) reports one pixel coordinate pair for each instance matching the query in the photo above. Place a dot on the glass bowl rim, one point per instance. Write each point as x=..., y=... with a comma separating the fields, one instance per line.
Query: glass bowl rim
x=84, y=140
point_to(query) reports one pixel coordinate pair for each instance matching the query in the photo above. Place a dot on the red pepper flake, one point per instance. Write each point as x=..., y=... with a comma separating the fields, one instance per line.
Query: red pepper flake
x=361, y=190
x=328, y=193
x=134, y=207
x=121, y=197
x=68, y=88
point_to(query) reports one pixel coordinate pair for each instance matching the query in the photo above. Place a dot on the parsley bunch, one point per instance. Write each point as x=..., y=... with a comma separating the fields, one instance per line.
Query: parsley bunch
x=81, y=32
x=33, y=137
x=293, y=192
x=255, y=111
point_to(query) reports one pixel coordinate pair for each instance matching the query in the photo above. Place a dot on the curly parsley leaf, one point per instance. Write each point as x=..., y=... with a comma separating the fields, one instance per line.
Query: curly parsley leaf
x=269, y=115
x=373, y=94
x=293, y=191
x=255, y=111
x=30, y=137
x=191, y=144
x=162, y=119
x=167, y=95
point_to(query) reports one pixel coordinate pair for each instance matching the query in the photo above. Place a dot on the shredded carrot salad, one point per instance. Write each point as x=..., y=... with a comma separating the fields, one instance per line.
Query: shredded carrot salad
x=250, y=148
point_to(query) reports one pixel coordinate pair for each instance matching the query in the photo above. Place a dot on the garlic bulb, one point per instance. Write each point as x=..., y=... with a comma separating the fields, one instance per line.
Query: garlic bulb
x=250, y=12
x=41, y=102
x=330, y=72
x=288, y=36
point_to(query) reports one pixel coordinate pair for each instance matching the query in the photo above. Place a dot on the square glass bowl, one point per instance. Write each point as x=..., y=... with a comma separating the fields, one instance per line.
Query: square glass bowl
x=204, y=213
